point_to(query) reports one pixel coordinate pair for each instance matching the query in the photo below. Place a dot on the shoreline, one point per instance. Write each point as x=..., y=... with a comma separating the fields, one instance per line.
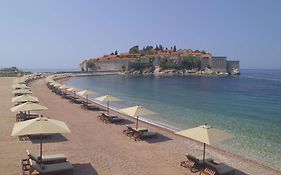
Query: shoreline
x=166, y=128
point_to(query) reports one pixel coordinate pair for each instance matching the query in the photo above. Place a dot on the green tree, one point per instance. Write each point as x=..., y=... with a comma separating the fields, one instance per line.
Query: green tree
x=91, y=64
x=190, y=62
x=140, y=66
x=168, y=65
x=134, y=50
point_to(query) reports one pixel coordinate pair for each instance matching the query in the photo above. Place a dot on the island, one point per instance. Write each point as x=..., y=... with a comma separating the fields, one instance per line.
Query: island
x=162, y=61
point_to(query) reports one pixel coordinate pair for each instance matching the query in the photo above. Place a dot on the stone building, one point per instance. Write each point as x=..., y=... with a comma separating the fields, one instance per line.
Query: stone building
x=219, y=64
x=233, y=67
x=205, y=63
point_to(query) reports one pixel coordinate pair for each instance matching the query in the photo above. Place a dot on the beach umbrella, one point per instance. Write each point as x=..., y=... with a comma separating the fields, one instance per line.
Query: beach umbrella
x=28, y=106
x=136, y=111
x=57, y=85
x=39, y=126
x=20, y=80
x=25, y=98
x=20, y=86
x=205, y=134
x=107, y=99
x=63, y=87
x=86, y=93
x=22, y=91
x=73, y=90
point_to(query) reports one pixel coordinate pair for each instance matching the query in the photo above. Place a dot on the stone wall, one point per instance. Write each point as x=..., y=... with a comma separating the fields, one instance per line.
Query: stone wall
x=219, y=64
x=232, y=65
x=112, y=65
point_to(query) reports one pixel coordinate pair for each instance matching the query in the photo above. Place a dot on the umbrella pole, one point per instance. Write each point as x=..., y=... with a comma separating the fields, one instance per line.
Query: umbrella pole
x=107, y=107
x=41, y=138
x=204, y=152
x=87, y=100
x=137, y=124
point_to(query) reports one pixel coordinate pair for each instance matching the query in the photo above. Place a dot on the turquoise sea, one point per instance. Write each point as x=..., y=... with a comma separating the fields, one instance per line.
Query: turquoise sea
x=248, y=106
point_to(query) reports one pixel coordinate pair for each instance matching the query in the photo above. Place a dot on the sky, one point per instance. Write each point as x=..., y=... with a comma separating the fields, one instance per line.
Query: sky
x=61, y=33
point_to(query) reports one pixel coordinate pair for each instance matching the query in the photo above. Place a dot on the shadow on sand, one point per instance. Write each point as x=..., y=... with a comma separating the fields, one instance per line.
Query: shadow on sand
x=158, y=138
x=123, y=122
x=48, y=138
x=84, y=169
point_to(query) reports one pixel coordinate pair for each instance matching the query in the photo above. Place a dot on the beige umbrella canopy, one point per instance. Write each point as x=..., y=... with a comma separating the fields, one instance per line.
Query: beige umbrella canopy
x=28, y=106
x=22, y=91
x=71, y=89
x=86, y=93
x=136, y=111
x=20, y=80
x=20, y=86
x=40, y=125
x=25, y=98
x=107, y=98
x=63, y=87
x=205, y=134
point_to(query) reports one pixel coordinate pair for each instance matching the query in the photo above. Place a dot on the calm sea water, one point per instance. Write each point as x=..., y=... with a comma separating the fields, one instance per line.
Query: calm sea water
x=248, y=106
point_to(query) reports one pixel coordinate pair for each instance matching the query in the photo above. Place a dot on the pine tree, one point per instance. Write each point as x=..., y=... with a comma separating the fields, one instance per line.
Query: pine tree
x=174, y=49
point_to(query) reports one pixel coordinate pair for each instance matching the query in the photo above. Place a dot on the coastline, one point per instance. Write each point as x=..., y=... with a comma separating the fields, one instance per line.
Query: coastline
x=167, y=128
x=93, y=153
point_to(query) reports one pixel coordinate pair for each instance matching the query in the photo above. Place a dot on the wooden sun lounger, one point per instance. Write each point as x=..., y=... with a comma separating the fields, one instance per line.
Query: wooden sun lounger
x=111, y=118
x=89, y=106
x=47, y=159
x=48, y=169
x=213, y=168
x=195, y=165
x=76, y=100
x=23, y=116
x=137, y=136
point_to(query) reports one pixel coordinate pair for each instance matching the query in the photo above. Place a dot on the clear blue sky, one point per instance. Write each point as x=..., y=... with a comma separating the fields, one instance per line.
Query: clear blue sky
x=61, y=33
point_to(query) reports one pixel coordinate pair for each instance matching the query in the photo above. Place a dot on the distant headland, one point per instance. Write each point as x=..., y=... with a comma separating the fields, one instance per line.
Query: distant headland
x=163, y=61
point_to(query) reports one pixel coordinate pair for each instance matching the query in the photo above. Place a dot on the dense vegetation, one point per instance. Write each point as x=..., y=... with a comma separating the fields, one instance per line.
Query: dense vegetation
x=190, y=62
x=140, y=66
x=91, y=64
x=148, y=50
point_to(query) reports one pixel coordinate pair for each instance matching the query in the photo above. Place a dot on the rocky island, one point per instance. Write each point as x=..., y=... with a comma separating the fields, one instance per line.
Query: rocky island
x=163, y=61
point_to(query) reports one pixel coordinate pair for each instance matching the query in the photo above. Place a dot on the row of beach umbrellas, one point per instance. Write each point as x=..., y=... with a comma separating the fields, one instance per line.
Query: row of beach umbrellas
x=37, y=126
x=205, y=134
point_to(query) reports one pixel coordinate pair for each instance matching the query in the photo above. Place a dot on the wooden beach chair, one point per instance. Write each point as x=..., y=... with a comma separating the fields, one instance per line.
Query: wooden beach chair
x=47, y=159
x=213, y=168
x=89, y=106
x=195, y=165
x=48, y=169
x=111, y=118
x=138, y=135
x=128, y=131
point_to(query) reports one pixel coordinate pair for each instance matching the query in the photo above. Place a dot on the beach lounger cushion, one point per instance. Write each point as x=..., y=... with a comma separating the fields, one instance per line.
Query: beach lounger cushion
x=48, y=159
x=51, y=168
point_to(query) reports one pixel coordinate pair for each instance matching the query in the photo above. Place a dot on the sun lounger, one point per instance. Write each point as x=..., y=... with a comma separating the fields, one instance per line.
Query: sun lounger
x=128, y=131
x=143, y=135
x=76, y=100
x=49, y=169
x=213, y=168
x=89, y=106
x=111, y=118
x=47, y=159
x=23, y=116
x=194, y=164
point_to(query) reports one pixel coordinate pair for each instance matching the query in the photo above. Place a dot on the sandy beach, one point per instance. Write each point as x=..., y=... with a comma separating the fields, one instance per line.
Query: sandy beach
x=97, y=148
